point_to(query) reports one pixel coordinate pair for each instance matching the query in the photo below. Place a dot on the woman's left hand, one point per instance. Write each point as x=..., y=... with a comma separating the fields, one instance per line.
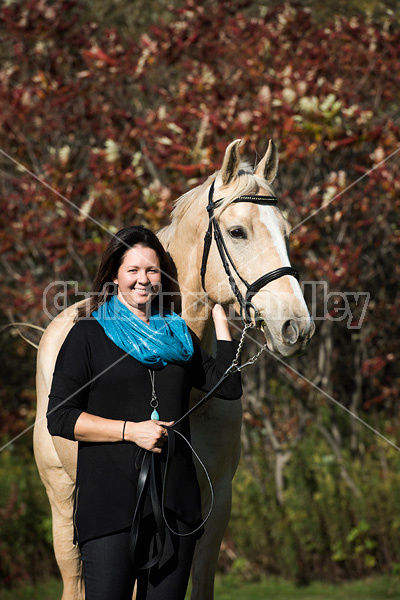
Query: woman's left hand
x=221, y=324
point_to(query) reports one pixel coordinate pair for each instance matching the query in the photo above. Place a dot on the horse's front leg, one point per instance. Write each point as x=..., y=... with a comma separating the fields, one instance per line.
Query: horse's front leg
x=216, y=437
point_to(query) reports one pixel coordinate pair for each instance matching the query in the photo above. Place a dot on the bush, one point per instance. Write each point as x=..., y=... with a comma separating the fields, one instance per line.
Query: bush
x=26, y=552
x=324, y=529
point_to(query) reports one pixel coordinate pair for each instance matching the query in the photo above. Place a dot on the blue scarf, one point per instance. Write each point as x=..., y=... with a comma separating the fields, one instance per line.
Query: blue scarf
x=165, y=340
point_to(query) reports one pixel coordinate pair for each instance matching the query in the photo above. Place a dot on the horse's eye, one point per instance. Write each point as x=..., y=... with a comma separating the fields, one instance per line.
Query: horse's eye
x=238, y=233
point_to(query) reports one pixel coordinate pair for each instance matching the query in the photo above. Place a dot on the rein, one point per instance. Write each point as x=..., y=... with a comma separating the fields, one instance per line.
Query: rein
x=245, y=303
x=145, y=463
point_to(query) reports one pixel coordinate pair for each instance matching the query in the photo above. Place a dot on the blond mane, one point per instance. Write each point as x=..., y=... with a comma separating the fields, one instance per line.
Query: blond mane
x=245, y=183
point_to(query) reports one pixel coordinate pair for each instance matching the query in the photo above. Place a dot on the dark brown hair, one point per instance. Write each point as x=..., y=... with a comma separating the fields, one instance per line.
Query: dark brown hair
x=113, y=256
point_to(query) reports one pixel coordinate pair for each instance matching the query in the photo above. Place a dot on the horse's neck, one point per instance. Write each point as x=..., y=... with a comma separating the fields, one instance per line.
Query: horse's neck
x=183, y=239
x=197, y=314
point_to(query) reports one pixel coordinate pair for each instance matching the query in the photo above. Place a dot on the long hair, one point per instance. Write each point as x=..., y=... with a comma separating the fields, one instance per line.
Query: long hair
x=113, y=256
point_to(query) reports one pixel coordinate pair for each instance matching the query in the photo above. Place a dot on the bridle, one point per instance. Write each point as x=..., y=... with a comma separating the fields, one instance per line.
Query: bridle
x=245, y=303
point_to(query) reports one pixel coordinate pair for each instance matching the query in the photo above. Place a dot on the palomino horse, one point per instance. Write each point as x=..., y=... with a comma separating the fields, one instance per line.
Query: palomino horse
x=254, y=233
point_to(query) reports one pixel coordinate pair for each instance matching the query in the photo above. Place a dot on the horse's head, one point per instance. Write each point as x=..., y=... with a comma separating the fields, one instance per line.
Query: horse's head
x=255, y=235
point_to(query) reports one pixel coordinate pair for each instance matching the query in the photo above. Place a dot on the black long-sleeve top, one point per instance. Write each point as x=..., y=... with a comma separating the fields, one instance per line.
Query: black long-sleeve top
x=92, y=374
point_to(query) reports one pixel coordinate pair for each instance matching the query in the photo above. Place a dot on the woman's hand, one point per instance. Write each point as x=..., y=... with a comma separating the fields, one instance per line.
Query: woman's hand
x=149, y=435
x=221, y=324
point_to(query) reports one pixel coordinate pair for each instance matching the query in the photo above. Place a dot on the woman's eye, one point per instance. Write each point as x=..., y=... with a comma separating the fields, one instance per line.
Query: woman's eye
x=238, y=233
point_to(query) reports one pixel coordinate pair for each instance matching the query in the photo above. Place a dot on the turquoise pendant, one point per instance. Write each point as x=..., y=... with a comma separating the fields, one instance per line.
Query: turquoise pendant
x=155, y=416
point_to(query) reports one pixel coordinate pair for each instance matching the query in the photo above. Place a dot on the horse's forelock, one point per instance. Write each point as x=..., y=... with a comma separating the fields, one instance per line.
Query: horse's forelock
x=245, y=183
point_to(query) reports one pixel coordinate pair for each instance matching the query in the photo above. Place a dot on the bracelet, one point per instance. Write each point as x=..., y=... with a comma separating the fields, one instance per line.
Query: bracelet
x=123, y=431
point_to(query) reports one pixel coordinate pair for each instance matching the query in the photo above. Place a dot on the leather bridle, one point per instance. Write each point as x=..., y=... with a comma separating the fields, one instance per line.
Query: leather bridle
x=245, y=303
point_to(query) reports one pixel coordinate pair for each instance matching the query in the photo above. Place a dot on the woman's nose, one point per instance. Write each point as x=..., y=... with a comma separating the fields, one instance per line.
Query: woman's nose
x=143, y=277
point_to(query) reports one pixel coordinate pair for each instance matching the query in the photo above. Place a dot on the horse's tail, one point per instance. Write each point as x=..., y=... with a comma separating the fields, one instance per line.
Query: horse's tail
x=21, y=324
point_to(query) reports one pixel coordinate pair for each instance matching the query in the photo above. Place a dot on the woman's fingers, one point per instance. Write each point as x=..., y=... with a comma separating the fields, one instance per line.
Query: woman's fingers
x=164, y=432
x=219, y=311
x=151, y=435
x=221, y=324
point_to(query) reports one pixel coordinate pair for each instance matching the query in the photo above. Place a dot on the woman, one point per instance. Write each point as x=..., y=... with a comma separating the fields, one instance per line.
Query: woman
x=123, y=377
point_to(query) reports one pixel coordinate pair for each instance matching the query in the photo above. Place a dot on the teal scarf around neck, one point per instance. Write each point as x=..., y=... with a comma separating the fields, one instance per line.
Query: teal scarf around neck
x=165, y=340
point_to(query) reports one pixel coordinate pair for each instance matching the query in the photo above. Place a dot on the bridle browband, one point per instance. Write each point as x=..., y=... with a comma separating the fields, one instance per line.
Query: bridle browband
x=252, y=289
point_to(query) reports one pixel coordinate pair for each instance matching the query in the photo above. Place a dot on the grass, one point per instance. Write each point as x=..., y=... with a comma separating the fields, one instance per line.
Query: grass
x=377, y=588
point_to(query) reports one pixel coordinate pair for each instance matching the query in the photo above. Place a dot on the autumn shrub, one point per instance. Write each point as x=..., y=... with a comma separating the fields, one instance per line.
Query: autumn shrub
x=114, y=127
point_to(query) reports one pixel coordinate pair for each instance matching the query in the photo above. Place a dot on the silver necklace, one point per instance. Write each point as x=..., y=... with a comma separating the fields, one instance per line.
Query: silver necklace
x=154, y=400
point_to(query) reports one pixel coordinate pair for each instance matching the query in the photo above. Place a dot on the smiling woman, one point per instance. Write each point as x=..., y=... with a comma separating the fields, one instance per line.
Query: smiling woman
x=129, y=363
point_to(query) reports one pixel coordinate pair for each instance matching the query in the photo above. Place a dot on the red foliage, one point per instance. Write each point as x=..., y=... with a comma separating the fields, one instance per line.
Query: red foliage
x=117, y=127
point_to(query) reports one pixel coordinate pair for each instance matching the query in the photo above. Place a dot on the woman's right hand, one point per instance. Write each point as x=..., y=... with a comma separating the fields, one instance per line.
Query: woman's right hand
x=149, y=435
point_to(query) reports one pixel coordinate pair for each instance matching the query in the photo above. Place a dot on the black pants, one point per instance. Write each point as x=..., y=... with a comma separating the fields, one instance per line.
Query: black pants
x=109, y=574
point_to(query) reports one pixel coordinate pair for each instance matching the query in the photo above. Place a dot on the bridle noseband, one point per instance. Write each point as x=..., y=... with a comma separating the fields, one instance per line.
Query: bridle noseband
x=213, y=226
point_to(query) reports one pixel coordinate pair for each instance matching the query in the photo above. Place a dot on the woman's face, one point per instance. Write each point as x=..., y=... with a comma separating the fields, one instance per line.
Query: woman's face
x=138, y=279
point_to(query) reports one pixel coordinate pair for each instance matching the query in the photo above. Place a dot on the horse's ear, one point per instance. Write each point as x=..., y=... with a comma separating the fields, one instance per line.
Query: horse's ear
x=268, y=167
x=230, y=166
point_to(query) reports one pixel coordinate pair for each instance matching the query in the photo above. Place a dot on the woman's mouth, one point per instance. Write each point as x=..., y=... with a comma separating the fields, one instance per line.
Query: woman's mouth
x=141, y=291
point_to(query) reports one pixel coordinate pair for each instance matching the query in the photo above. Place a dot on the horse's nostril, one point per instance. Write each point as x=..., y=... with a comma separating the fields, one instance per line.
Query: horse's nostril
x=290, y=332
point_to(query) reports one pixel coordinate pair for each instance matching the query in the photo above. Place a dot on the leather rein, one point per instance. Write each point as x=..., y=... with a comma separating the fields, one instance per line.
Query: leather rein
x=147, y=483
x=214, y=230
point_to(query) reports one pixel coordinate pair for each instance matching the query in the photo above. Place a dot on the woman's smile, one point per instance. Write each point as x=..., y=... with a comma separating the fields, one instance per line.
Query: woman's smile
x=143, y=291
